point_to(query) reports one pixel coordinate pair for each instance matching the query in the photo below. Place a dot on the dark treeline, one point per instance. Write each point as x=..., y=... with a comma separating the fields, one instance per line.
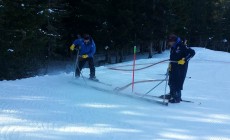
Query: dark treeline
x=35, y=32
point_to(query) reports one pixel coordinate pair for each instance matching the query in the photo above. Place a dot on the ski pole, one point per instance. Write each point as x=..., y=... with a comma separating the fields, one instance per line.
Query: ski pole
x=82, y=77
x=76, y=64
x=154, y=87
x=77, y=67
x=134, y=59
x=166, y=79
x=166, y=83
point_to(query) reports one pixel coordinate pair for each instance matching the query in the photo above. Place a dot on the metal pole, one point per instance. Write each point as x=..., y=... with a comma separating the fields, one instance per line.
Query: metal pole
x=134, y=59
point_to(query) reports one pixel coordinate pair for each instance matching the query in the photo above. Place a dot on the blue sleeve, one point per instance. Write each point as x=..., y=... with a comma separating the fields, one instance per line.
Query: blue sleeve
x=77, y=42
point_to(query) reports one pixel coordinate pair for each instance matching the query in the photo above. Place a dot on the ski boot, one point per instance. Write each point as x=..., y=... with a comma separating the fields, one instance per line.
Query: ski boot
x=166, y=96
x=93, y=78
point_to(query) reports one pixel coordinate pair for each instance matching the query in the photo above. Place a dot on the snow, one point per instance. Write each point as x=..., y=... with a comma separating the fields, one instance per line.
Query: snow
x=10, y=50
x=63, y=108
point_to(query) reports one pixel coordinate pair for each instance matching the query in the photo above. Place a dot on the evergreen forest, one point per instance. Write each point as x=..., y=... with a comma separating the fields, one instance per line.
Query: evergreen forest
x=35, y=33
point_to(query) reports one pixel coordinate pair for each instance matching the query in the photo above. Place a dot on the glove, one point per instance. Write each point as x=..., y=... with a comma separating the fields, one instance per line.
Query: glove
x=181, y=62
x=72, y=47
x=84, y=56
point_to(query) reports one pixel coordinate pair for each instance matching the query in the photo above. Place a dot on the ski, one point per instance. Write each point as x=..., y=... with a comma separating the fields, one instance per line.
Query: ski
x=130, y=95
x=109, y=90
x=97, y=81
x=162, y=97
x=136, y=96
x=164, y=101
x=101, y=82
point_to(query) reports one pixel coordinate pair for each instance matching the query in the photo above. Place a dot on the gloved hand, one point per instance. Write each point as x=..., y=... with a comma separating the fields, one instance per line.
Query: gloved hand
x=84, y=56
x=72, y=47
x=181, y=62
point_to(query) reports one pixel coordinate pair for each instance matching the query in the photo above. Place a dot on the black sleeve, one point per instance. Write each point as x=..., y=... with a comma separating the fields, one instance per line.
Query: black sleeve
x=189, y=53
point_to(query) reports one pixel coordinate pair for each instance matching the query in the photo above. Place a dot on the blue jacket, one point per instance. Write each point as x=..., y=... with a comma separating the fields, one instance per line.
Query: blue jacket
x=88, y=49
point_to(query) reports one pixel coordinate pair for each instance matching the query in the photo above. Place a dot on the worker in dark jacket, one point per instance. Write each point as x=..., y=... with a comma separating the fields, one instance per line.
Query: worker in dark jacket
x=180, y=54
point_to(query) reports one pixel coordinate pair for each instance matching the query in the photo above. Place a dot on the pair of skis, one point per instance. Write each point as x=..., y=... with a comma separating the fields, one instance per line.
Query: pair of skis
x=162, y=97
x=76, y=67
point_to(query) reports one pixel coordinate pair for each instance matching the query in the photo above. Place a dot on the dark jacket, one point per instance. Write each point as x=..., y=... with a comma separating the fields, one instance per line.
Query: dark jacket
x=178, y=72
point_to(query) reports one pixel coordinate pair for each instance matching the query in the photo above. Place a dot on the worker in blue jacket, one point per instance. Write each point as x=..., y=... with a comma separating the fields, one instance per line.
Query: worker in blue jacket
x=87, y=49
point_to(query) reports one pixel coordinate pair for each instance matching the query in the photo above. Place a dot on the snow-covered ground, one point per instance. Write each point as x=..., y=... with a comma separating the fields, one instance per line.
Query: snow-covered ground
x=59, y=107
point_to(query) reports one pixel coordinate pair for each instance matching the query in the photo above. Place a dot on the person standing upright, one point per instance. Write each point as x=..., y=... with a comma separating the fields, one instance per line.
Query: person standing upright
x=180, y=54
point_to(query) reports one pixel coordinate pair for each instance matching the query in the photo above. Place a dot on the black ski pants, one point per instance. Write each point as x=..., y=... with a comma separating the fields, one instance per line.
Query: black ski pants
x=81, y=64
x=177, y=77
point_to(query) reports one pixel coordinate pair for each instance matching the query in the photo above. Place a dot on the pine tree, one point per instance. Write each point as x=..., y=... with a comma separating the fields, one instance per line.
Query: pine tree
x=23, y=38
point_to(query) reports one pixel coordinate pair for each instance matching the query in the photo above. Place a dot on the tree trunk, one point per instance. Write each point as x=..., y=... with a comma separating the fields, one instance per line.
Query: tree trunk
x=150, y=46
x=121, y=55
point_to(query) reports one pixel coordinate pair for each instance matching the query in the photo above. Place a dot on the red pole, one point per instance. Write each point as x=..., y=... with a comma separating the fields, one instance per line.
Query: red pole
x=134, y=59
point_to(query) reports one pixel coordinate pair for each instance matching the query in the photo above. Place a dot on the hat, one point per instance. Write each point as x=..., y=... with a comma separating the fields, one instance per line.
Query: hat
x=86, y=36
x=172, y=38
